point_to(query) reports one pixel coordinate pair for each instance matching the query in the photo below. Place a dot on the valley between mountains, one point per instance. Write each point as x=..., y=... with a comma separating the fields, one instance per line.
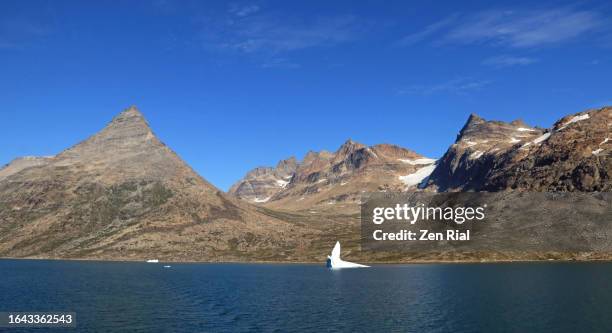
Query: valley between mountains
x=122, y=194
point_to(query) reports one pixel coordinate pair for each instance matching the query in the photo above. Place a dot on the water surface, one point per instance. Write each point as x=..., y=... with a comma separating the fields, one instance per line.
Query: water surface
x=141, y=297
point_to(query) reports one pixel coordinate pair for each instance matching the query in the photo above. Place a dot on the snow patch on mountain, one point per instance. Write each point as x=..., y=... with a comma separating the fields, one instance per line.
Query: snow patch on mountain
x=261, y=200
x=371, y=152
x=418, y=161
x=476, y=155
x=281, y=183
x=542, y=138
x=575, y=119
x=417, y=177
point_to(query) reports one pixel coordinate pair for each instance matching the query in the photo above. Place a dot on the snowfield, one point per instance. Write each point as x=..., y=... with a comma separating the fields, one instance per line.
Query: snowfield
x=418, y=177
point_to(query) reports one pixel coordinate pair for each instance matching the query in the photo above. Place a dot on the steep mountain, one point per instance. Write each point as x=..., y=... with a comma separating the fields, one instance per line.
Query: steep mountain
x=334, y=181
x=466, y=163
x=123, y=194
x=496, y=156
x=574, y=155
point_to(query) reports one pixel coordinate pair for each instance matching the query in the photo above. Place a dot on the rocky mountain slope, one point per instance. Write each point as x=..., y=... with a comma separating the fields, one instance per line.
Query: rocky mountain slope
x=123, y=194
x=574, y=155
x=261, y=184
x=21, y=163
x=466, y=163
x=334, y=181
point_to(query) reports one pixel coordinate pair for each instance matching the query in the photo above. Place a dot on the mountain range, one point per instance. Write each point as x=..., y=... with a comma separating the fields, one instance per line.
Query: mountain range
x=334, y=181
x=123, y=194
x=492, y=156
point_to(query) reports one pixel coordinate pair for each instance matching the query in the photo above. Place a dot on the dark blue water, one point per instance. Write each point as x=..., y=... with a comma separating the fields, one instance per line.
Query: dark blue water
x=140, y=297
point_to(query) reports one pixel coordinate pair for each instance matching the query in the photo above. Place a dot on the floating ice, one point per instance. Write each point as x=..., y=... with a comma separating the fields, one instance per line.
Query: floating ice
x=334, y=261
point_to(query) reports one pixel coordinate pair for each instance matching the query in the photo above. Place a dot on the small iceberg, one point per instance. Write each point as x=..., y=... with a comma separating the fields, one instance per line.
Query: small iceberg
x=153, y=261
x=334, y=261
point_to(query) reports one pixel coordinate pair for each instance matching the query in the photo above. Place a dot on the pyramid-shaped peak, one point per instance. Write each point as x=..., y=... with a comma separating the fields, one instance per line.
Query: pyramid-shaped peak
x=130, y=115
x=128, y=133
x=129, y=123
x=133, y=109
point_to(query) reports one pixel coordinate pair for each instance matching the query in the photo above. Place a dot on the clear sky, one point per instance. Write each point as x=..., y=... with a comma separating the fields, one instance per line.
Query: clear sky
x=234, y=85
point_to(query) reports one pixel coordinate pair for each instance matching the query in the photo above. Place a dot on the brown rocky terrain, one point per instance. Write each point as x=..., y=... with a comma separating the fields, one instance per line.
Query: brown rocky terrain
x=123, y=194
x=21, y=163
x=574, y=155
x=334, y=182
x=466, y=163
x=261, y=184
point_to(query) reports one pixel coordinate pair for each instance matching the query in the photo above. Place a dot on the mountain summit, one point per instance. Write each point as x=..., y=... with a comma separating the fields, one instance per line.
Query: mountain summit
x=126, y=148
x=123, y=194
x=335, y=181
x=573, y=155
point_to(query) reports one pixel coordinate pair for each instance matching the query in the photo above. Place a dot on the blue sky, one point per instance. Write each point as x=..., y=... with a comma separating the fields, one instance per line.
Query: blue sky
x=234, y=85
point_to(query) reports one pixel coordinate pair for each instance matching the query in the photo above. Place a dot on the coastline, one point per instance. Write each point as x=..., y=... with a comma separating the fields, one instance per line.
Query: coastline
x=261, y=262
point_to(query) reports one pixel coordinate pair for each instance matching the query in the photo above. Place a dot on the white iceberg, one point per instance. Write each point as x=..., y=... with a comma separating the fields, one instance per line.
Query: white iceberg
x=152, y=261
x=334, y=261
